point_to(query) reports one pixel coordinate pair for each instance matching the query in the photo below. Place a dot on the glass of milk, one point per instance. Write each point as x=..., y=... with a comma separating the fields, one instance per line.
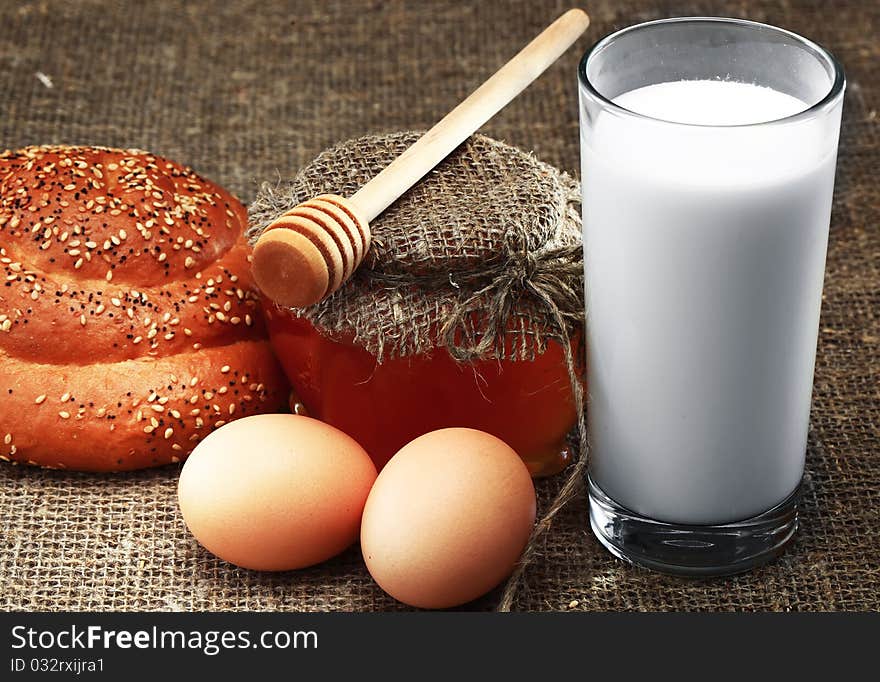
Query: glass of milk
x=708, y=154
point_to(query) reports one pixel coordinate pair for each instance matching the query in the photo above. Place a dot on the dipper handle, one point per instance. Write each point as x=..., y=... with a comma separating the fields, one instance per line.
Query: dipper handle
x=486, y=101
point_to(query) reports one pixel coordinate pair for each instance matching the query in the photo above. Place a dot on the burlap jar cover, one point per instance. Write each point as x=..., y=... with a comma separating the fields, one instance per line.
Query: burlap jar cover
x=482, y=258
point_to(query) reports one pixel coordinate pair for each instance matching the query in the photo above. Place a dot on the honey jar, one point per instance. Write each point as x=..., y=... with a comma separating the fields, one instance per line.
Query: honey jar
x=528, y=404
x=468, y=310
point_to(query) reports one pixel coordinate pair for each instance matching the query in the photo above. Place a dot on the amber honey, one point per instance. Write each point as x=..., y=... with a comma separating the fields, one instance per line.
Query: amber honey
x=526, y=403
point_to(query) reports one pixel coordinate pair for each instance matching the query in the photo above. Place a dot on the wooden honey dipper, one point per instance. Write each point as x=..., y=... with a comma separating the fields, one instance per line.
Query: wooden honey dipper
x=311, y=250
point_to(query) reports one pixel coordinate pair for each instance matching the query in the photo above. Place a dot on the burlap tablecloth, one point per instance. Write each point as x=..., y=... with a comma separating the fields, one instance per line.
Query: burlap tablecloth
x=248, y=90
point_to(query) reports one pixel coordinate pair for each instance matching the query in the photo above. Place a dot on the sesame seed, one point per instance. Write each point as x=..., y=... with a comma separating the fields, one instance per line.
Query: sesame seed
x=8, y=438
x=64, y=415
x=40, y=398
x=224, y=369
x=149, y=429
x=65, y=397
x=168, y=433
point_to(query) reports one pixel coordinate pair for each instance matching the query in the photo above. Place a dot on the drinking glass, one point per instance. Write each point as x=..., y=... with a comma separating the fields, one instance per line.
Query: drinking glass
x=704, y=256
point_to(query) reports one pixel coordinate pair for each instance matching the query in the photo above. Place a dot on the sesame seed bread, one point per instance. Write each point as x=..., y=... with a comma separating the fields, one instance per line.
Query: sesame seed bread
x=129, y=323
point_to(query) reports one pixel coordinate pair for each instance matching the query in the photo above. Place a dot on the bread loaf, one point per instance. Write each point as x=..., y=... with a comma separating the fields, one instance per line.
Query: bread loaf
x=129, y=325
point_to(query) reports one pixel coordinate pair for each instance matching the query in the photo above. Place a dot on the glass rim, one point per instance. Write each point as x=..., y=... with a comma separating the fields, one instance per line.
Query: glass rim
x=835, y=91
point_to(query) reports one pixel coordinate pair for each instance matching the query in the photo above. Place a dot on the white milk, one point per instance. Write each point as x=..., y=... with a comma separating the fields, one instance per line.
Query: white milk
x=704, y=256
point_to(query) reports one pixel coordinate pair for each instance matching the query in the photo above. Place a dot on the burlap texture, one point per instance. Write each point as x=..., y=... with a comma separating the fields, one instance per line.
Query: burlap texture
x=482, y=257
x=249, y=92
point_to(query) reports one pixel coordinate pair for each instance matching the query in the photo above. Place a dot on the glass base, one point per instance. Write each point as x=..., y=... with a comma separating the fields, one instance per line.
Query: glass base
x=692, y=550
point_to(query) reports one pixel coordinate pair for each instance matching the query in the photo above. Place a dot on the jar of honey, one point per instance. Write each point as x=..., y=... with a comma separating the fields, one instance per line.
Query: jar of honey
x=460, y=315
x=526, y=403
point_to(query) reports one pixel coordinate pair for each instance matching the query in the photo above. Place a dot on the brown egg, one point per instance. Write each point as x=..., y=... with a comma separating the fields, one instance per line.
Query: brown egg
x=447, y=518
x=275, y=492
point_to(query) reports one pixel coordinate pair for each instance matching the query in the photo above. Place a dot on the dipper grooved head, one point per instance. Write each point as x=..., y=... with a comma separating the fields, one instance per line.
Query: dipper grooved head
x=309, y=252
